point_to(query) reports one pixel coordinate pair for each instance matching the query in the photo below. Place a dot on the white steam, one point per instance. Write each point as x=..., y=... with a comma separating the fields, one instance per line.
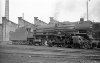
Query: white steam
x=73, y=10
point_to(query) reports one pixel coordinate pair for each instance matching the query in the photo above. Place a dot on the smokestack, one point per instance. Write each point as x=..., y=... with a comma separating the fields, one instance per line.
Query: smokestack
x=4, y=21
x=82, y=19
x=7, y=9
x=3, y=18
x=51, y=18
x=19, y=18
x=19, y=22
x=35, y=20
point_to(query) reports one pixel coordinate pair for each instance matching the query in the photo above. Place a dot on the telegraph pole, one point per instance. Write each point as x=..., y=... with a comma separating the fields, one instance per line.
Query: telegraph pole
x=88, y=10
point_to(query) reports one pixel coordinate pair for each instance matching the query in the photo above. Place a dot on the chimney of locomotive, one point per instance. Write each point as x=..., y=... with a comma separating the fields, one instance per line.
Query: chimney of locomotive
x=81, y=20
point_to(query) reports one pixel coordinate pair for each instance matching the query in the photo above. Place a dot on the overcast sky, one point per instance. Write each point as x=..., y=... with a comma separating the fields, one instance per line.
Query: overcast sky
x=62, y=10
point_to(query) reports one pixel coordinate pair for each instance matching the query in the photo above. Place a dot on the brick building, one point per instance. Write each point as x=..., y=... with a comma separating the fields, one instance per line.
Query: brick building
x=25, y=24
x=53, y=21
x=7, y=27
x=38, y=22
x=1, y=33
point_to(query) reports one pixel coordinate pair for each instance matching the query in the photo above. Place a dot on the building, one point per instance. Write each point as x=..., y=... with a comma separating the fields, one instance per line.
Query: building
x=8, y=26
x=24, y=23
x=53, y=21
x=38, y=22
x=23, y=32
x=1, y=33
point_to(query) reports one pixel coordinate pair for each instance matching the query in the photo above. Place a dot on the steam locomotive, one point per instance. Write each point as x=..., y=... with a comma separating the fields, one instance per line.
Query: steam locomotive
x=81, y=35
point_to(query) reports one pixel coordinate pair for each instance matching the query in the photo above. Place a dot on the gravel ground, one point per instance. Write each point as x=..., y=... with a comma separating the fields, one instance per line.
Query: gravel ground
x=43, y=54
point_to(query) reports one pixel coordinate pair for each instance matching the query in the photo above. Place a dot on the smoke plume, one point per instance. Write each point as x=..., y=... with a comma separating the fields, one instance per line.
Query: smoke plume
x=95, y=10
x=73, y=10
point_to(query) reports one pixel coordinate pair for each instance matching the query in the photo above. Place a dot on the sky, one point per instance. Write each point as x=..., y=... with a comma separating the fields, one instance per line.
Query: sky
x=61, y=10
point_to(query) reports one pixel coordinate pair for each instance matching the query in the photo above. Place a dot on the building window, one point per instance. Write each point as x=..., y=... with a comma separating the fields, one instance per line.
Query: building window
x=28, y=29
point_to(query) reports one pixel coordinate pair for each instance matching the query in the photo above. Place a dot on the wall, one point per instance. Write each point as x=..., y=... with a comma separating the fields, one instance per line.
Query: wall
x=38, y=22
x=8, y=27
x=1, y=34
x=53, y=21
x=24, y=23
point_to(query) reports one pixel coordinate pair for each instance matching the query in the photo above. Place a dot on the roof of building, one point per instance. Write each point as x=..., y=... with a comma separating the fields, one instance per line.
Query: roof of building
x=12, y=22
